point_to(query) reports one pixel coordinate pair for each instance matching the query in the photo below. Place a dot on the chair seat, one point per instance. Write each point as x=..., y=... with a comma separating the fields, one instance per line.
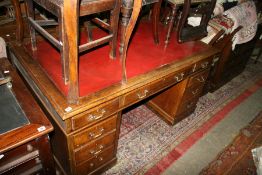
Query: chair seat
x=129, y=3
x=60, y=3
x=180, y=2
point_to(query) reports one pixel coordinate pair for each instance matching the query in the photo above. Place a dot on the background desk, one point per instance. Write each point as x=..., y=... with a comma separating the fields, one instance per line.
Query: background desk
x=24, y=141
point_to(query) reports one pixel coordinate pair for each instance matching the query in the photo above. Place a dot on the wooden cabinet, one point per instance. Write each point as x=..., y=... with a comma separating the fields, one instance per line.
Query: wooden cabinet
x=177, y=102
x=24, y=129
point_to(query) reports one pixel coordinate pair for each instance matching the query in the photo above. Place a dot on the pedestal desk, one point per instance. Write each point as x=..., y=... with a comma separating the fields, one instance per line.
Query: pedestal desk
x=86, y=134
x=24, y=128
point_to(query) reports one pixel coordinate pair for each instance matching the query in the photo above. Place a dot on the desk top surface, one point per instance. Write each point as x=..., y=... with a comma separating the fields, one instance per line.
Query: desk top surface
x=100, y=77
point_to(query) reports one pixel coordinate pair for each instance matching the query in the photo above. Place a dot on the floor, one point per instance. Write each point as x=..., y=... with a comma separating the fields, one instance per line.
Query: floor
x=206, y=148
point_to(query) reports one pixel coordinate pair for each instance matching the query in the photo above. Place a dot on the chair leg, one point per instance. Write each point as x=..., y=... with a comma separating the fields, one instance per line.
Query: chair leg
x=114, y=18
x=155, y=14
x=63, y=50
x=19, y=22
x=30, y=14
x=88, y=31
x=126, y=14
x=171, y=24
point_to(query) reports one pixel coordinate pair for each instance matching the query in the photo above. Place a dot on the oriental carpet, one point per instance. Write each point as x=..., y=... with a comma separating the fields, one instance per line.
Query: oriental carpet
x=147, y=145
x=236, y=158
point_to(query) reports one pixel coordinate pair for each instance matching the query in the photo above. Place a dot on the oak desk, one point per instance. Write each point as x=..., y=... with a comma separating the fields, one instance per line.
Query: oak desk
x=24, y=129
x=86, y=134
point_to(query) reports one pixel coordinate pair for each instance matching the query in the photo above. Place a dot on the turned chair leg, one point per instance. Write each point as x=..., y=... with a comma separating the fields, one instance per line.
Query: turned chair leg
x=126, y=14
x=114, y=17
x=63, y=50
x=88, y=29
x=171, y=24
x=30, y=14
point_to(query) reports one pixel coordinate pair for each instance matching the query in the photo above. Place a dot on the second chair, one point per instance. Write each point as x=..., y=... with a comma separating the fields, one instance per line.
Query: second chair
x=84, y=8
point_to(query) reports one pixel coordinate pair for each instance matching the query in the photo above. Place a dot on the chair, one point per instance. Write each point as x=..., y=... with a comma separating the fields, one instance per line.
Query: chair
x=195, y=8
x=126, y=10
x=68, y=13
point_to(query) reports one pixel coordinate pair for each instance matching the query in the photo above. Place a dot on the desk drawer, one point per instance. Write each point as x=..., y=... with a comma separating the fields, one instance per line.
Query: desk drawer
x=93, y=149
x=96, y=162
x=202, y=64
x=91, y=116
x=94, y=132
x=150, y=89
x=198, y=78
x=17, y=156
x=192, y=92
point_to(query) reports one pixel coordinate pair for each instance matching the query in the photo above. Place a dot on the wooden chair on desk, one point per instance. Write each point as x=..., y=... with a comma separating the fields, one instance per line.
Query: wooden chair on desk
x=126, y=9
x=130, y=10
x=67, y=13
x=193, y=8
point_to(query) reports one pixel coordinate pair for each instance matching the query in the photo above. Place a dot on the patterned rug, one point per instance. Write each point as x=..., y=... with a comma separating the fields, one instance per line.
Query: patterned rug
x=237, y=158
x=145, y=139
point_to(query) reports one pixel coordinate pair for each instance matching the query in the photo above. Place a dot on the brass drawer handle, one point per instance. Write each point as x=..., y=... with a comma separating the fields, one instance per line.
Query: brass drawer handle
x=98, y=151
x=201, y=79
x=204, y=65
x=180, y=77
x=140, y=96
x=93, y=135
x=92, y=117
x=195, y=92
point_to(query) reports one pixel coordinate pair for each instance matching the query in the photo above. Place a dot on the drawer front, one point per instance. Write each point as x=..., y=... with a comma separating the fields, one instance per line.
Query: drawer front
x=93, y=149
x=144, y=92
x=18, y=155
x=174, y=78
x=32, y=166
x=95, y=131
x=198, y=78
x=192, y=92
x=202, y=64
x=96, y=162
x=94, y=115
